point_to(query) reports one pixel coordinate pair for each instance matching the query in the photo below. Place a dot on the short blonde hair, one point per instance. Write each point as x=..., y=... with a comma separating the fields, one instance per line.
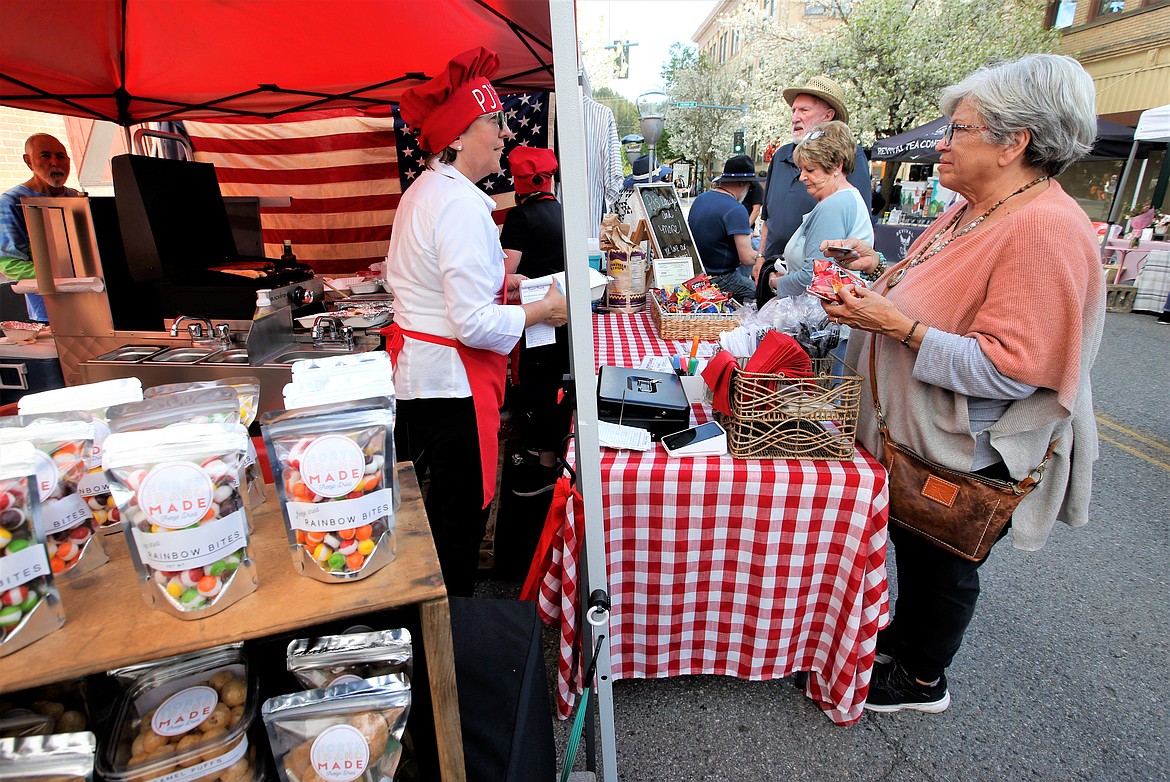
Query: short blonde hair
x=827, y=145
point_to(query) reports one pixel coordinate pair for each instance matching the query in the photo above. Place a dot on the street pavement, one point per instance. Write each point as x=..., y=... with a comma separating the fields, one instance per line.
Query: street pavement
x=1063, y=674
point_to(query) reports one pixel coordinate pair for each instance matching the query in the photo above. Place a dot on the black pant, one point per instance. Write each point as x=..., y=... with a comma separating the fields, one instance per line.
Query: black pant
x=937, y=592
x=440, y=437
x=544, y=422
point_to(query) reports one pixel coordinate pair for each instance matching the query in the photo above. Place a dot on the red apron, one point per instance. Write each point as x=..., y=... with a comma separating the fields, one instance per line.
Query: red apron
x=485, y=374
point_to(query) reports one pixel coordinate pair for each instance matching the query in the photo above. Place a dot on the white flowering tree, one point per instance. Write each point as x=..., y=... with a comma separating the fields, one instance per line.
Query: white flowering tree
x=702, y=135
x=892, y=57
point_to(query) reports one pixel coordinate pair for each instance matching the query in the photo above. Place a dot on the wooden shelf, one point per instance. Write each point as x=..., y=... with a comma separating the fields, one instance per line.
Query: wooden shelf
x=108, y=625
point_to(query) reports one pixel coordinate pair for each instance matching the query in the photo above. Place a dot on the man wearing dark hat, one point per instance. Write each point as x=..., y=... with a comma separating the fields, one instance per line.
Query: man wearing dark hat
x=786, y=200
x=722, y=234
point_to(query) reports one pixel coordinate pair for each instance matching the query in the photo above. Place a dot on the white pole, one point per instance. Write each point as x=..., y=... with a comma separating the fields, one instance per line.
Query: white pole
x=1138, y=187
x=571, y=138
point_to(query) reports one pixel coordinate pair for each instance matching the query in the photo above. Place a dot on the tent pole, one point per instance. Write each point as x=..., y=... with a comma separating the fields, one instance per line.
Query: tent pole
x=1137, y=189
x=1115, y=208
x=571, y=138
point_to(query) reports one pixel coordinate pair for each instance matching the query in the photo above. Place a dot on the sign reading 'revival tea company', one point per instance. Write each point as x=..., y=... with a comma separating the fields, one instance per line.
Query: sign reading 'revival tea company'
x=669, y=232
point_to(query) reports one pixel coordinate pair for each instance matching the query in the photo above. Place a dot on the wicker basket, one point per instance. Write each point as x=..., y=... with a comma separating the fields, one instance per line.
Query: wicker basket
x=688, y=325
x=773, y=417
x=1119, y=298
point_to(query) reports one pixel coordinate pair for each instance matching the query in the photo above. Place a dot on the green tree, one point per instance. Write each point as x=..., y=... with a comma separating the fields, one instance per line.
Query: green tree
x=892, y=57
x=701, y=135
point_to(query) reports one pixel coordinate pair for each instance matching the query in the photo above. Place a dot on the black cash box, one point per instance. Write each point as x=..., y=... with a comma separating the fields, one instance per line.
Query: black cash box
x=638, y=397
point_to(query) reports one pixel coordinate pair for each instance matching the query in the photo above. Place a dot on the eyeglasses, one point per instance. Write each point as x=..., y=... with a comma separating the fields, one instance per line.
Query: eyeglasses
x=498, y=118
x=949, y=130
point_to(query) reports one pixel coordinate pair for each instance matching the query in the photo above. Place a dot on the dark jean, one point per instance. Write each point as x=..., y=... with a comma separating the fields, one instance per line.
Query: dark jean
x=937, y=592
x=440, y=437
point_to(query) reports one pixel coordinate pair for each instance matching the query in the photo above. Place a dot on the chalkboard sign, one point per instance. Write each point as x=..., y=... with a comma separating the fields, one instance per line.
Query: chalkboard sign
x=669, y=232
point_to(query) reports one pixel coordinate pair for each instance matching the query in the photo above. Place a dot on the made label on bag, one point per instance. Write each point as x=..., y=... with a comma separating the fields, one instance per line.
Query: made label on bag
x=943, y=492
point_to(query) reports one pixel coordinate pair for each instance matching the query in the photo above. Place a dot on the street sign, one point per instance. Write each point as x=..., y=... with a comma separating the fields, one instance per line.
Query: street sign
x=687, y=104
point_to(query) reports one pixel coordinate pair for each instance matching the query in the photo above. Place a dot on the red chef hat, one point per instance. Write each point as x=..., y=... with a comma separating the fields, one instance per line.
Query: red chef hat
x=441, y=109
x=532, y=169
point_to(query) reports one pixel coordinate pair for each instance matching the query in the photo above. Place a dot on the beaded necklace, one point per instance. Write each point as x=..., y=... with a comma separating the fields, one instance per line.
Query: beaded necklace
x=924, y=255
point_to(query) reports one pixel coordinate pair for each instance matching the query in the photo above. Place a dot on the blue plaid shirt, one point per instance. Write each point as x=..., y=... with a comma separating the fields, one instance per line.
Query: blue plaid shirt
x=15, y=258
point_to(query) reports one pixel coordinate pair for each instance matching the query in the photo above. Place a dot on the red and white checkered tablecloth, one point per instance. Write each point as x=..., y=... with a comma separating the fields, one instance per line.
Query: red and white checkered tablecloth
x=748, y=568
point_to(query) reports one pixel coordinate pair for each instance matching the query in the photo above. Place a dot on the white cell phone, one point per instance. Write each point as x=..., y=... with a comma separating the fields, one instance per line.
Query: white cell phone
x=709, y=439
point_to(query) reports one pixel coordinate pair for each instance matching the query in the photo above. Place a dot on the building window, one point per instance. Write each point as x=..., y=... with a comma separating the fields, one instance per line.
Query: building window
x=1060, y=14
x=1106, y=7
x=816, y=9
x=723, y=48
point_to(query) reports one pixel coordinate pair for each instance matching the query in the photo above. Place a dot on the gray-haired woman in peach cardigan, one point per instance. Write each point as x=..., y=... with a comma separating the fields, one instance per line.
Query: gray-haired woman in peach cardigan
x=984, y=336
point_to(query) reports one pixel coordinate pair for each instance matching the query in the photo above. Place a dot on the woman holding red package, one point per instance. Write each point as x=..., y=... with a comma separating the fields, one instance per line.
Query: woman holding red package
x=982, y=339
x=452, y=328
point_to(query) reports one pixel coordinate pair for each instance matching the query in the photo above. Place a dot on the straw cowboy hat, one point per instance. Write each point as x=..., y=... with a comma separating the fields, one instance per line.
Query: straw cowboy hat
x=824, y=88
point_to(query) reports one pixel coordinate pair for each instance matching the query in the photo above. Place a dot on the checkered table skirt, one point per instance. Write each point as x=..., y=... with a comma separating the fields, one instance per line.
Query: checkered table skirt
x=748, y=568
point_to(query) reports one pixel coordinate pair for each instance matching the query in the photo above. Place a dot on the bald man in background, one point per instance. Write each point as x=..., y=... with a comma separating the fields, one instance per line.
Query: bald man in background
x=48, y=160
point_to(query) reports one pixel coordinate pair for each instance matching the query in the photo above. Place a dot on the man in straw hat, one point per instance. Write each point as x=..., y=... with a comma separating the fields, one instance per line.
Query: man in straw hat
x=722, y=234
x=786, y=200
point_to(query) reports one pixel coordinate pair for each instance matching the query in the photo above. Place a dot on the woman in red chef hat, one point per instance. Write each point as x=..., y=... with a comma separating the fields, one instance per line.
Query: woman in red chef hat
x=533, y=241
x=452, y=329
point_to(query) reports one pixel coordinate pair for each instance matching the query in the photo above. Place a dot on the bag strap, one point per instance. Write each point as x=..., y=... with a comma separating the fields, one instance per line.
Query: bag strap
x=1023, y=486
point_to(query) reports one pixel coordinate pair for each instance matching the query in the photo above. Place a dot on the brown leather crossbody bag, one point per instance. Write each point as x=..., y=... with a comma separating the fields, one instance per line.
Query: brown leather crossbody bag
x=961, y=512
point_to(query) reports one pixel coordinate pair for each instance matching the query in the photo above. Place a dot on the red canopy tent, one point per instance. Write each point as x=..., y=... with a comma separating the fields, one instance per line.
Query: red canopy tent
x=135, y=61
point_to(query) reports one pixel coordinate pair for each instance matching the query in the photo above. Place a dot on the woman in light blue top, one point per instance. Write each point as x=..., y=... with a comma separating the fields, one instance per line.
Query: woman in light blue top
x=825, y=157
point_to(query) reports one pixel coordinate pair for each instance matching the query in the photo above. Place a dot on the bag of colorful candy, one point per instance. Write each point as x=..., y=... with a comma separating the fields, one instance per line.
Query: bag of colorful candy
x=247, y=390
x=337, y=659
x=30, y=607
x=63, y=442
x=91, y=400
x=350, y=731
x=333, y=466
x=206, y=405
x=177, y=490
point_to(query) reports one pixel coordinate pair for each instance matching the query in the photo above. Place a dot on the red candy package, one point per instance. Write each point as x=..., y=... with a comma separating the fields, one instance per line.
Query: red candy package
x=333, y=466
x=829, y=279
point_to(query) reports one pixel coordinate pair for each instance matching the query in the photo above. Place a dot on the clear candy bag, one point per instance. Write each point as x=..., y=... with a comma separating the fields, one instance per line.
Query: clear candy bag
x=30, y=607
x=63, y=442
x=334, y=471
x=91, y=400
x=247, y=391
x=184, y=516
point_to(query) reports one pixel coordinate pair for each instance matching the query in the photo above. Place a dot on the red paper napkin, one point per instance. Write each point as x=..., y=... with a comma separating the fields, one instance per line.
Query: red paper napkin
x=780, y=354
x=717, y=376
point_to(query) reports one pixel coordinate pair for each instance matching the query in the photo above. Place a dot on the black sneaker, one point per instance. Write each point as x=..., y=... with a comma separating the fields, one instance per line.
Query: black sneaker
x=896, y=690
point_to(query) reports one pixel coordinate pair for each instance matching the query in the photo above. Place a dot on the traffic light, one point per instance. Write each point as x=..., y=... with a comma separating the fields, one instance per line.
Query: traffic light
x=737, y=143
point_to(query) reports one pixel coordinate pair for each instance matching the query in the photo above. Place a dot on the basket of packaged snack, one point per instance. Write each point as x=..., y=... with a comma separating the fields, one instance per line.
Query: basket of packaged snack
x=782, y=404
x=696, y=308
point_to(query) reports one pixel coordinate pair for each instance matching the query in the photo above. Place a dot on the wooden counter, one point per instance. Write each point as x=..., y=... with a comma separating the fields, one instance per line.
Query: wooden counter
x=108, y=625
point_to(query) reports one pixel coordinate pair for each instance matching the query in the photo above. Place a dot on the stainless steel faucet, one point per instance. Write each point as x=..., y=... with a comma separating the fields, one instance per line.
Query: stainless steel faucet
x=195, y=328
x=223, y=332
x=331, y=329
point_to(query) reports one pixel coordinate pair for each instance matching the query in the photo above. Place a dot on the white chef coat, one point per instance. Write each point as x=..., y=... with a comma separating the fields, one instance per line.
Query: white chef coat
x=446, y=269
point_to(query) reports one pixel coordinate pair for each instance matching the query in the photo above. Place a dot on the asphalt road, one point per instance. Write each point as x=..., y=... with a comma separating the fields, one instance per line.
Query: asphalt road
x=1064, y=672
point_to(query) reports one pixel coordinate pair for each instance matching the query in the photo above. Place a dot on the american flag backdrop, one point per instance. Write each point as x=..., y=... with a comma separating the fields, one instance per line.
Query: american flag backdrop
x=344, y=173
